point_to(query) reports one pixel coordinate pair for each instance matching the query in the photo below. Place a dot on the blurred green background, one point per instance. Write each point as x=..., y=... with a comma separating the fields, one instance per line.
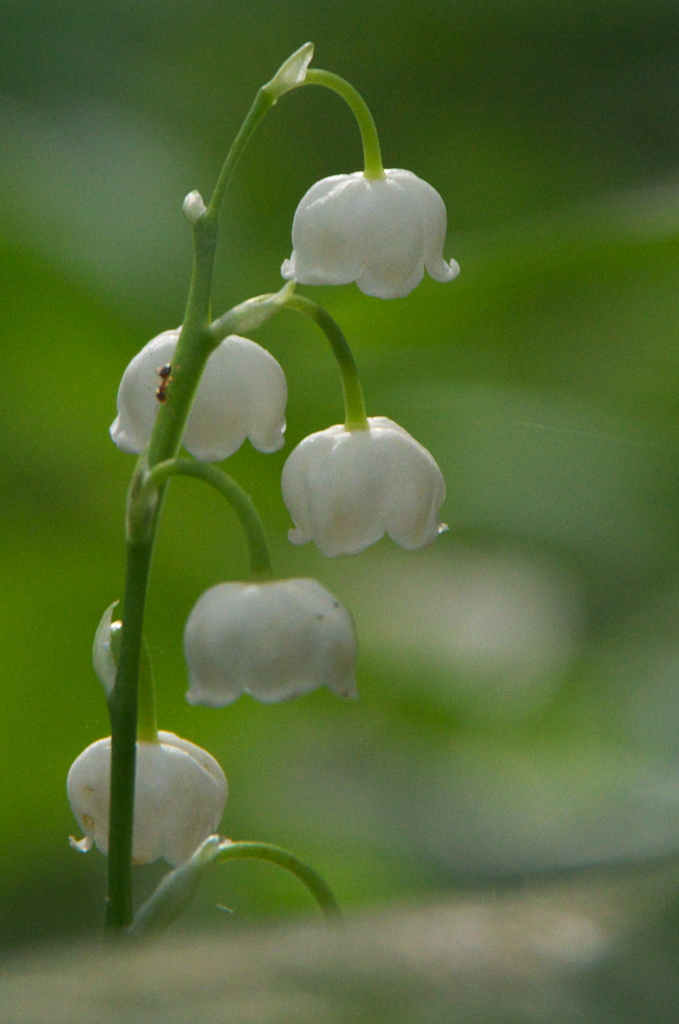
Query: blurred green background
x=519, y=706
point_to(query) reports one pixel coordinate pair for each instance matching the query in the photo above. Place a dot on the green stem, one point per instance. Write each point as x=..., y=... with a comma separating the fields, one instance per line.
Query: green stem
x=147, y=723
x=123, y=712
x=354, y=403
x=275, y=855
x=372, y=156
x=143, y=512
x=263, y=102
x=248, y=516
x=193, y=349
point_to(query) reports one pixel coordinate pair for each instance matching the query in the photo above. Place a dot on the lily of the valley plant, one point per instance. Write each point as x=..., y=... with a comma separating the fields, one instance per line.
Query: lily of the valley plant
x=143, y=794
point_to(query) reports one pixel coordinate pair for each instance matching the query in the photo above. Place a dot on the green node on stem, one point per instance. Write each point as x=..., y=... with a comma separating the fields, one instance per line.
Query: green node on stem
x=252, y=313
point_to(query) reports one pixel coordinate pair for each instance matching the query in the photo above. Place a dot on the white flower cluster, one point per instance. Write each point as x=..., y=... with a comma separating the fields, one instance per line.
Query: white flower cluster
x=344, y=489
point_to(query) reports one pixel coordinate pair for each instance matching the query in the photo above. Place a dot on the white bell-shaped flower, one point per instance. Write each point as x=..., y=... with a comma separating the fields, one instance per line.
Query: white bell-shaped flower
x=273, y=640
x=379, y=232
x=179, y=798
x=346, y=488
x=242, y=393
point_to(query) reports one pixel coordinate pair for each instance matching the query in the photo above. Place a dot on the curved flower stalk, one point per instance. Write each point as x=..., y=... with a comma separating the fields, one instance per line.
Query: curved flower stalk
x=274, y=640
x=381, y=232
x=179, y=799
x=242, y=393
x=346, y=488
x=177, y=889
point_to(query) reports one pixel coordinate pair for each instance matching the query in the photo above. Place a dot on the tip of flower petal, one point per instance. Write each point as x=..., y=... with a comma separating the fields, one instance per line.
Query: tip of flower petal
x=442, y=271
x=83, y=845
x=271, y=442
x=196, y=696
x=288, y=270
x=121, y=439
x=296, y=536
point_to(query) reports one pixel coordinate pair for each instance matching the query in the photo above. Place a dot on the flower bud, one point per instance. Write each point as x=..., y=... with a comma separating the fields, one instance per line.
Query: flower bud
x=346, y=488
x=242, y=393
x=193, y=207
x=175, y=891
x=291, y=73
x=105, y=649
x=273, y=640
x=379, y=232
x=180, y=794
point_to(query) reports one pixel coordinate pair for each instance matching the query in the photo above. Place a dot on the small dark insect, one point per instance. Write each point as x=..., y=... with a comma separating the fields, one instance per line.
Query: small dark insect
x=165, y=374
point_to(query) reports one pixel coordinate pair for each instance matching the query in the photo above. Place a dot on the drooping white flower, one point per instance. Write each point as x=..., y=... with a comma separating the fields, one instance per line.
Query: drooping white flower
x=346, y=488
x=274, y=640
x=242, y=393
x=379, y=232
x=179, y=798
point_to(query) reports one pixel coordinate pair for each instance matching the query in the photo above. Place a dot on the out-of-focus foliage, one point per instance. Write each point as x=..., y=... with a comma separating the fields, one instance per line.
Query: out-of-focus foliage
x=520, y=679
